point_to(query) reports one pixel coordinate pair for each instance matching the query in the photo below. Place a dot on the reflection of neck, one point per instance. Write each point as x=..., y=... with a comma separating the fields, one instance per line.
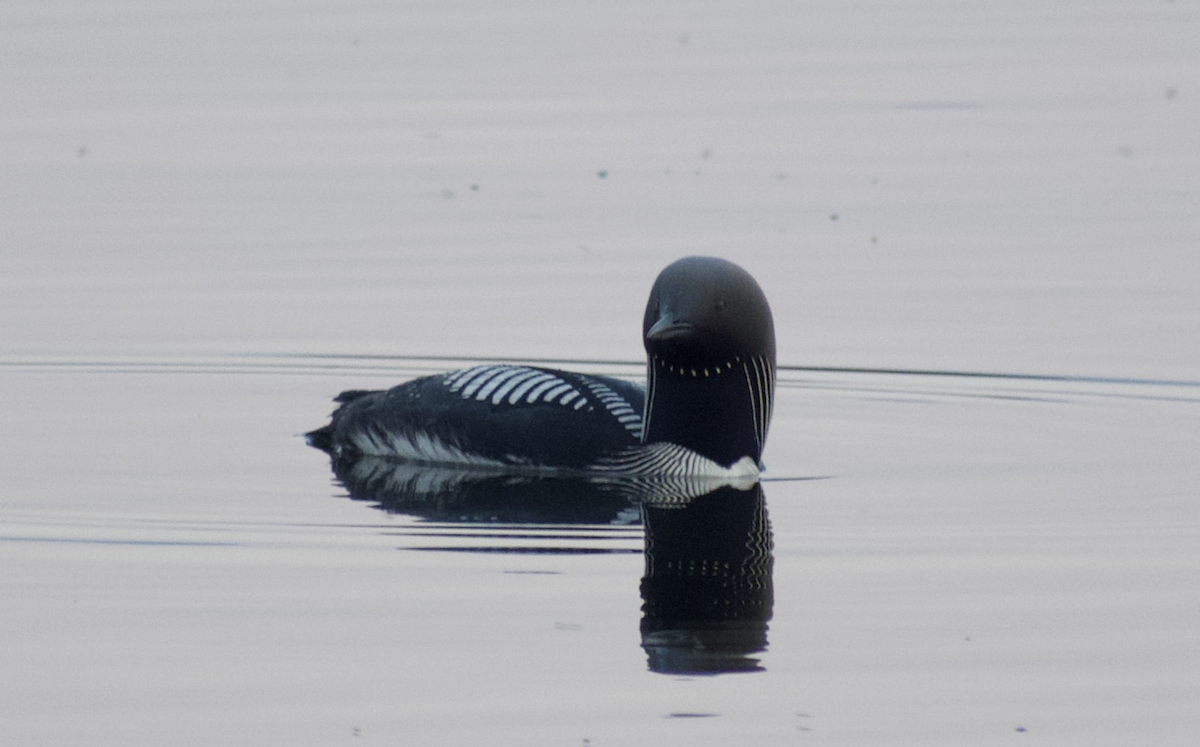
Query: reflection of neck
x=707, y=589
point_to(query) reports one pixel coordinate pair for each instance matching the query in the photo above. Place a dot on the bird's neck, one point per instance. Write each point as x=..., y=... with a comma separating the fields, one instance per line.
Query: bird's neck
x=720, y=410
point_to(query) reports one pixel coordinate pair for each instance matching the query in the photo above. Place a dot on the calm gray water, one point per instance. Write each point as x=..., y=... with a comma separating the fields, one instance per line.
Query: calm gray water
x=971, y=559
x=215, y=217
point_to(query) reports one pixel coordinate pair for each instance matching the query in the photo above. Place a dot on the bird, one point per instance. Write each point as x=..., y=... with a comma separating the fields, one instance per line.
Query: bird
x=705, y=408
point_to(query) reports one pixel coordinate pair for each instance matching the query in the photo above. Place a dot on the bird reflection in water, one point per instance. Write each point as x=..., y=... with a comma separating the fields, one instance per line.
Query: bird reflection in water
x=707, y=589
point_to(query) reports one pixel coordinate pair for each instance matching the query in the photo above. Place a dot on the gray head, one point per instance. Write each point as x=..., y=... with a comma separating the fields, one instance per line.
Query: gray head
x=707, y=309
x=710, y=346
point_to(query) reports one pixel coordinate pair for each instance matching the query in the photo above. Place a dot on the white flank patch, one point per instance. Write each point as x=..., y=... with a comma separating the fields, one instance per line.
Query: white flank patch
x=419, y=447
x=667, y=460
x=669, y=475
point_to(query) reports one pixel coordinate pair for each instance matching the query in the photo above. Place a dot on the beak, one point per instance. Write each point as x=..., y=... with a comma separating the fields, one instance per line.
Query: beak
x=669, y=329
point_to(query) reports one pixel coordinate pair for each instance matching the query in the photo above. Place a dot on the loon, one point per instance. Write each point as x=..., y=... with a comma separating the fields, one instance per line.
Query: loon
x=705, y=408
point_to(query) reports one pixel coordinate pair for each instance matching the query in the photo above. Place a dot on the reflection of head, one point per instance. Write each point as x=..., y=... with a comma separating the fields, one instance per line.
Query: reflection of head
x=707, y=588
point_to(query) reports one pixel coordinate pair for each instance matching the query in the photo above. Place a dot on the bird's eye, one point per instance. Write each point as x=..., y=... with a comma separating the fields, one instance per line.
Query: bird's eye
x=720, y=305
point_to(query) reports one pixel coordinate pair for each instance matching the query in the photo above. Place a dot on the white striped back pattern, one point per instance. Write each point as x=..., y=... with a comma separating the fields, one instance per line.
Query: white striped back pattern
x=521, y=384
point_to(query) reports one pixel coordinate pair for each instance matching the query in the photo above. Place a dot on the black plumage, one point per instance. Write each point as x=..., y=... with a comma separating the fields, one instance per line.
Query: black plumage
x=710, y=346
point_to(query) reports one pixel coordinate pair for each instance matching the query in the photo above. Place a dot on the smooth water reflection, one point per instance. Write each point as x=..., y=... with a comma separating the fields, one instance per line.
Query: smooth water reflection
x=986, y=553
x=707, y=590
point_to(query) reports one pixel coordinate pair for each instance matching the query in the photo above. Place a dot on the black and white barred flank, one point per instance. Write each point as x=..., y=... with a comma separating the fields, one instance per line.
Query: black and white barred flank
x=500, y=417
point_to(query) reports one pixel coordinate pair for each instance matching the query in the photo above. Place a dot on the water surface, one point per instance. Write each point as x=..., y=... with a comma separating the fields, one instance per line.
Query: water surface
x=216, y=218
x=977, y=556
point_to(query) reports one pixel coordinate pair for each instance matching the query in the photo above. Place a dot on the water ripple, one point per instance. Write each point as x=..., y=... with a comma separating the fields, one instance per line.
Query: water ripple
x=940, y=382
